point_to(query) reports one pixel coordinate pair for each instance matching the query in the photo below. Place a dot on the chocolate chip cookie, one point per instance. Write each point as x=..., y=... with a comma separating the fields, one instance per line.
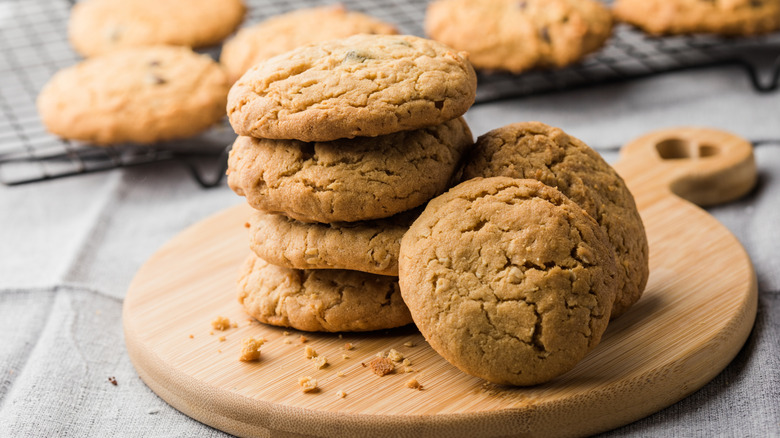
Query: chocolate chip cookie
x=320, y=300
x=547, y=154
x=140, y=95
x=724, y=17
x=295, y=29
x=518, y=35
x=97, y=27
x=347, y=180
x=508, y=279
x=364, y=85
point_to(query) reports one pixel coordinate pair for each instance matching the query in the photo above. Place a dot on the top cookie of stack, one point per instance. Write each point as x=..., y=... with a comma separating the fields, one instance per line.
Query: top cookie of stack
x=352, y=129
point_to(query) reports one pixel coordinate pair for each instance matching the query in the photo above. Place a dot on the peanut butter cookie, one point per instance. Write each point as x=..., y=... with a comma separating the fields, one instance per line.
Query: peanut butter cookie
x=141, y=95
x=518, y=35
x=320, y=299
x=508, y=279
x=295, y=29
x=347, y=180
x=367, y=246
x=547, y=154
x=97, y=27
x=364, y=85
x=724, y=17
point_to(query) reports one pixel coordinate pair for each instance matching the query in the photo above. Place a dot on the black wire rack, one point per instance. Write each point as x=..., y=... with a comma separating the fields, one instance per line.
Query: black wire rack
x=33, y=46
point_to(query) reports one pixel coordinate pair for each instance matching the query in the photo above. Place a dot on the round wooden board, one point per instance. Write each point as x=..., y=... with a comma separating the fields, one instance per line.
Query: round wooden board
x=694, y=316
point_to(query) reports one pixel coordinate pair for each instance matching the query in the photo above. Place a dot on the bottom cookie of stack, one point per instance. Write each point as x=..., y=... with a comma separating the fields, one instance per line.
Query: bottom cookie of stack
x=330, y=300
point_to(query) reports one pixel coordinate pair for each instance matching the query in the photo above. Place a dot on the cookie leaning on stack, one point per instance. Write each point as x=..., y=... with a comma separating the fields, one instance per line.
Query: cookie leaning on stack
x=359, y=129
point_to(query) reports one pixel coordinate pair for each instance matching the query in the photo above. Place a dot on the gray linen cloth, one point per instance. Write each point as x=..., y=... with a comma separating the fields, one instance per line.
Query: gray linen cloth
x=69, y=248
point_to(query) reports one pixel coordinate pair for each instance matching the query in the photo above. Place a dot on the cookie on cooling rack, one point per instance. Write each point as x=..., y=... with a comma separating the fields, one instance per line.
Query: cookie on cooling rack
x=508, y=279
x=101, y=26
x=364, y=85
x=518, y=35
x=351, y=179
x=325, y=300
x=547, y=154
x=295, y=29
x=724, y=17
x=140, y=95
x=367, y=246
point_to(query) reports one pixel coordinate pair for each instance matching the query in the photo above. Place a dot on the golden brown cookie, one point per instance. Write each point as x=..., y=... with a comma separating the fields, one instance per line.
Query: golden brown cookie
x=547, y=154
x=97, y=27
x=141, y=95
x=364, y=85
x=724, y=17
x=295, y=29
x=325, y=300
x=367, y=246
x=518, y=35
x=508, y=279
x=347, y=180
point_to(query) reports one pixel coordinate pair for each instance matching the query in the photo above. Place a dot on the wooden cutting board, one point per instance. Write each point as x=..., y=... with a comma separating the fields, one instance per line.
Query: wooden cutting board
x=696, y=313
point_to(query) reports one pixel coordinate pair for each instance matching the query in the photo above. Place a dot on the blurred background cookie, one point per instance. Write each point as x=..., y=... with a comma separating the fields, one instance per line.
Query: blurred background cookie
x=518, y=35
x=725, y=17
x=140, y=95
x=101, y=26
x=285, y=32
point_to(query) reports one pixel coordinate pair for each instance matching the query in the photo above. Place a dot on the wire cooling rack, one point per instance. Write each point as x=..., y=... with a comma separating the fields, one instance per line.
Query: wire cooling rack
x=33, y=46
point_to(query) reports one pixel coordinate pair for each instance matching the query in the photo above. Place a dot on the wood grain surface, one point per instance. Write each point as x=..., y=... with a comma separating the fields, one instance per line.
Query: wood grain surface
x=696, y=313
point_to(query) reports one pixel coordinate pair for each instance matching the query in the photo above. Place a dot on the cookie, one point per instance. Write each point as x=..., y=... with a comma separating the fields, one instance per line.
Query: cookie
x=368, y=246
x=97, y=27
x=508, y=279
x=724, y=17
x=325, y=300
x=347, y=180
x=295, y=29
x=520, y=35
x=364, y=85
x=535, y=150
x=141, y=95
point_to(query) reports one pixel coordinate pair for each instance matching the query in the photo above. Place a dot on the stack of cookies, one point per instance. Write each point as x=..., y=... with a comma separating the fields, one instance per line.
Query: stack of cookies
x=339, y=143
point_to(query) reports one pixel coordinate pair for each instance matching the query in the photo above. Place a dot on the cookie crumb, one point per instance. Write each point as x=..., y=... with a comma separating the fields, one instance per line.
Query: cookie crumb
x=341, y=336
x=344, y=356
x=309, y=352
x=247, y=225
x=285, y=333
x=220, y=323
x=287, y=341
x=250, y=349
x=348, y=346
x=409, y=344
x=303, y=339
x=341, y=374
x=113, y=381
x=192, y=336
x=341, y=394
x=219, y=351
x=394, y=355
x=414, y=384
x=381, y=366
x=211, y=332
x=307, y=384
x=234, y=324
x=320, y=362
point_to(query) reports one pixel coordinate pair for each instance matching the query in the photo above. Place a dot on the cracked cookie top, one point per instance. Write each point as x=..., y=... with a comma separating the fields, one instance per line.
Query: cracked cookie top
x=547, y=154
x=508, y=279
x=286, y=32
x=364, y=85
x=367, y=246
x=518, y=35
x=347, y=180
x=97, y=27
x=327, y=300
x=724, y=17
